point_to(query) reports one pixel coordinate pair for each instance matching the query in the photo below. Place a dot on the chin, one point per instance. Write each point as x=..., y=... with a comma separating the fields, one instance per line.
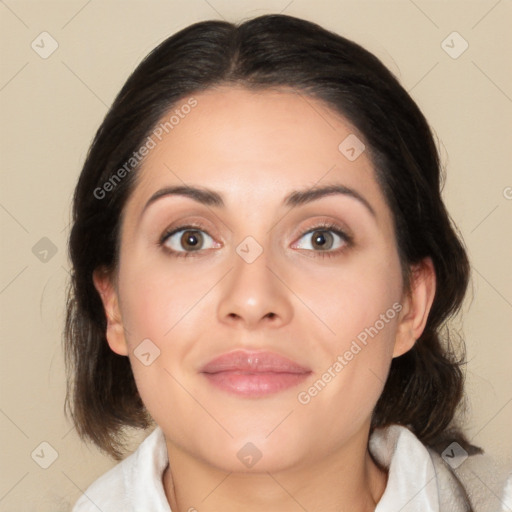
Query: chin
x=250, y=459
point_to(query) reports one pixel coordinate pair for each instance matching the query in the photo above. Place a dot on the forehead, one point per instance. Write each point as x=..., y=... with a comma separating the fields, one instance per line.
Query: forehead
x=254, y=146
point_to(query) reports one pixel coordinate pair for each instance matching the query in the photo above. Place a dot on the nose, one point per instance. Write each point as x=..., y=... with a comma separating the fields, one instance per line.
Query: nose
x=255, y=295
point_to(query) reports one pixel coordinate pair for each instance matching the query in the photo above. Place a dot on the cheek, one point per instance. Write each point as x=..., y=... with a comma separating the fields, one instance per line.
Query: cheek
x=157, y=300
x=163, y=311
x=360, y=304
x=354, y=299
x=352, y=375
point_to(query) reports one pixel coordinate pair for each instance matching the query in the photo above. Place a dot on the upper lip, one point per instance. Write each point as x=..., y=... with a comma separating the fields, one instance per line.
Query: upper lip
x=253, y=362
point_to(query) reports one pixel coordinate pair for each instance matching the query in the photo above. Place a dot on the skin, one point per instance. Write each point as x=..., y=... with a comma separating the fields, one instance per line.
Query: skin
x=254, y=148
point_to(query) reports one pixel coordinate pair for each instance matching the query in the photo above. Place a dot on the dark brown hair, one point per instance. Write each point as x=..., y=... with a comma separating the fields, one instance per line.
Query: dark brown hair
x=425, y=385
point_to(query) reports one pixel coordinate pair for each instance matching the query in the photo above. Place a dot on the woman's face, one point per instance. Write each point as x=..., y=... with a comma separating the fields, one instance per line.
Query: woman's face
x=272, y=269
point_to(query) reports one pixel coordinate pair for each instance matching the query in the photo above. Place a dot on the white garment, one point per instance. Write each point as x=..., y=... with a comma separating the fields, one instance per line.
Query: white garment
x=418, y=479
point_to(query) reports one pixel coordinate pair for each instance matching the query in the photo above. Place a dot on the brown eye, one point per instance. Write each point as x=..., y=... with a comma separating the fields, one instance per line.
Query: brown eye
x=324, y=239
x=320, y=240
x=191, y=239
x=186, y=239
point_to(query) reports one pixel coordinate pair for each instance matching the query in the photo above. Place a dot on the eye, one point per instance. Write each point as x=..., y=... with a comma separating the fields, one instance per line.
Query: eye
x=325, y=238
x=185, y=240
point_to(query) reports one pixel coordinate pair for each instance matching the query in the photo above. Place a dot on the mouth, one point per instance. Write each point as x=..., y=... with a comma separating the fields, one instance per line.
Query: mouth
x=254, y=374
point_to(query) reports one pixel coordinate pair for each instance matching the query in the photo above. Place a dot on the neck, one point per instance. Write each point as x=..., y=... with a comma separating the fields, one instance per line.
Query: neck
x=347, y=479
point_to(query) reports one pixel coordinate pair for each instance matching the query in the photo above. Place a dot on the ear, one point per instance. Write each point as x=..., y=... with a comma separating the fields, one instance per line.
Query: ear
x=416, y=306
x=105, y=286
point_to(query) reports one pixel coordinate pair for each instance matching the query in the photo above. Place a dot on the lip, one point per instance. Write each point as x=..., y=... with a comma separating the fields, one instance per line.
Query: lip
x=254, y=374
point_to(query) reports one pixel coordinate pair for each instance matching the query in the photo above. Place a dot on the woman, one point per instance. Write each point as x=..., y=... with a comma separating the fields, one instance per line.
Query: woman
x=262, y=266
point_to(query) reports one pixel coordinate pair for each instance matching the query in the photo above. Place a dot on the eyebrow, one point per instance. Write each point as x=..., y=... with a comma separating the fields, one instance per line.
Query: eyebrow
x=294, y=199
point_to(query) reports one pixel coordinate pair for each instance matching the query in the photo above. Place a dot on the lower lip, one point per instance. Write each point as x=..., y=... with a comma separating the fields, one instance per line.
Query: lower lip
x=254, y=384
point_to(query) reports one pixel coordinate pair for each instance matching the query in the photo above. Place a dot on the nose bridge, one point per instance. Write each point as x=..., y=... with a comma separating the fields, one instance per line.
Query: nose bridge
x=253, y=292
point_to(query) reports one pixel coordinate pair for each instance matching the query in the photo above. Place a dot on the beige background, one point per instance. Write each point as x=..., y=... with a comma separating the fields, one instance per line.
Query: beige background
x=52, y=107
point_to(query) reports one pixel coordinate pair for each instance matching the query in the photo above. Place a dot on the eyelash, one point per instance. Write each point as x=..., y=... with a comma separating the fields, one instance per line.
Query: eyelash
x=320, y=227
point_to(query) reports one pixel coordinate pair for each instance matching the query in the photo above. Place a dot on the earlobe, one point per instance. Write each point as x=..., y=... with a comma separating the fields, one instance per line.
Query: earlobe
x=416, y=306
x=103, y=283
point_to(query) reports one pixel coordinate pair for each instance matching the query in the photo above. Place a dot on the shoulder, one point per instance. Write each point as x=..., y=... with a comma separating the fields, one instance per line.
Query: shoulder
x=486, y=483
x=133, y=484
x=420, y=478
x=107, y=493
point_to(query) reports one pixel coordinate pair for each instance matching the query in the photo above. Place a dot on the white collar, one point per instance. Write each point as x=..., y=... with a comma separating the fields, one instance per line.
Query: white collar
x=411, y=486
x=414, y=478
